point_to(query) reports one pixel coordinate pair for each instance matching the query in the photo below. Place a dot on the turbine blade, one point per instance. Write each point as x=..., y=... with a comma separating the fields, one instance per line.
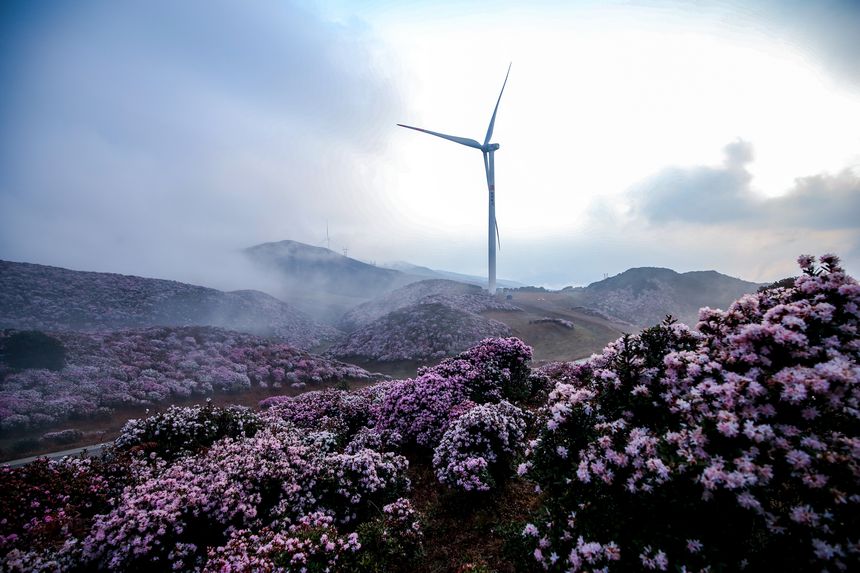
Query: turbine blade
x=461, y=140
x=493, y=119
x=498, y=238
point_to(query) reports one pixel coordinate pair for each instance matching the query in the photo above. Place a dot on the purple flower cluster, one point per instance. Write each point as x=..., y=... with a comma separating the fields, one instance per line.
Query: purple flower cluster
x=187, y=429
x=142, y=367
x=331, y=410
x=743, y=435
x=421, y=332
x=479, y=446
x=419, y=408
x=177, y=513
x=52, y=298
x=311, y=544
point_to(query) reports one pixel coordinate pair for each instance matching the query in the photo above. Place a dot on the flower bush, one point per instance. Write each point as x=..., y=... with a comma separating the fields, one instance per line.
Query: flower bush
x=45, y=502
x=741, y=436
x=311, y=544
x=187, y=429
x=175, y=513
x=338, y=411
x=419, y=409
x=144, y=367
x=479, y=448
x=392, y=541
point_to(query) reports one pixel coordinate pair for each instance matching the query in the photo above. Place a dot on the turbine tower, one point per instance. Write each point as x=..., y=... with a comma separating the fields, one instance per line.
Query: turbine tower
x=488, y=149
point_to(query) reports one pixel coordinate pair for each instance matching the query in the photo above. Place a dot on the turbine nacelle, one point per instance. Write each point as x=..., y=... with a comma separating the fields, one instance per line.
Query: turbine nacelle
x=490, y=147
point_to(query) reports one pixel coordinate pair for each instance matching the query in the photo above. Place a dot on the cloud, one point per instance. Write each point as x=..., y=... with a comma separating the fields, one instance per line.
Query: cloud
x=725, y=195
x=699, y=194
x=138, y=135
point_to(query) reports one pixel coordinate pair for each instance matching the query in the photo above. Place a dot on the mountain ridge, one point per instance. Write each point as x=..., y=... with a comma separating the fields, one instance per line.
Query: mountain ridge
x=56, y=298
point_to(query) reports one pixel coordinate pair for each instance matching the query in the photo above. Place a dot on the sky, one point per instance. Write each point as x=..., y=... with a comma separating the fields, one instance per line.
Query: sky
x=159, y=138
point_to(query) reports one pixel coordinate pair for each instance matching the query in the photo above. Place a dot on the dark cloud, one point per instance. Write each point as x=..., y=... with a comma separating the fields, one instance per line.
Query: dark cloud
x=724, y=195
x=699, y=194
x=821, y=201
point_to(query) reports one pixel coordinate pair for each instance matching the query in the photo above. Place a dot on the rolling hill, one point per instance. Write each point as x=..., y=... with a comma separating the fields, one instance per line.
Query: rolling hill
x=52, y=298
x=321, y=282
x=460, y=296
x=644, y=296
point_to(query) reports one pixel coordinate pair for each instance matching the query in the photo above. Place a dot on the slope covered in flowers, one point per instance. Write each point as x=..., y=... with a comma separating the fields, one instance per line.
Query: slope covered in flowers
x=420, y=332
x=150, y=366
x=460, y=296
x=318, y=482
x=731, y=447
x=743, y=436
x=52, y=298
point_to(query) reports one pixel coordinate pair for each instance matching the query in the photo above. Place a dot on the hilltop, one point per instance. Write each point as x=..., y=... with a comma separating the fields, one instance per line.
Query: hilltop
x=420, y=332
x=464, y=297
x=321, y=282
x=643, y=296
x=53, y=298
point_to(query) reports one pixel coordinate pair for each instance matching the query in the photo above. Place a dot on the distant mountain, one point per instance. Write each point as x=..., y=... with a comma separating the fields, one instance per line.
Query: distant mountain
x=455, y=295
x=644, y=296
x=321, y=282
x=52, y=298
x=324, y=270
x=425, y=272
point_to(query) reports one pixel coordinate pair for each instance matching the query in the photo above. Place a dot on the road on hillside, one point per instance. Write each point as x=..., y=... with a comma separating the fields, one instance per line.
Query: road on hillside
x=93, y=450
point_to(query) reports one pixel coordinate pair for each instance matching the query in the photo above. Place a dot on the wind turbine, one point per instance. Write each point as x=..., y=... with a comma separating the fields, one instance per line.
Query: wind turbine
x=488, y=149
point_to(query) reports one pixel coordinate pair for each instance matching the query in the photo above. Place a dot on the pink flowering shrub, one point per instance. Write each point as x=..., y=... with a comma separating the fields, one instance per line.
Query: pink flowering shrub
x=419, y=409
x=143, y=367
x=735, y=446
x=45, y=502
x=479, y=448
x=338, y=411
x=392, y=541
x=175, y=513
x=311, y=544
x=187, y=429
x=494, y=369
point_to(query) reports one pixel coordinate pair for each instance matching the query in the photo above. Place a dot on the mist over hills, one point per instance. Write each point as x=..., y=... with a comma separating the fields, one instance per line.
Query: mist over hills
x=321, y=282
x=643, y=296
x=53, y=298
x=429, y=273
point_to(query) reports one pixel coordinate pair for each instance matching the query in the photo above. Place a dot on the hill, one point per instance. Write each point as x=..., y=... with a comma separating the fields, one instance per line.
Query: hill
x=456, y=295
x=644, y=296
x=149, y=366
x=429, y=273
x=52, y=298
x=419, y=332
x=321, y=282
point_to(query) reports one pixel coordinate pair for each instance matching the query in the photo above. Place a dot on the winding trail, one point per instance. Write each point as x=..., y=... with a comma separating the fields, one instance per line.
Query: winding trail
x=88, y=450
